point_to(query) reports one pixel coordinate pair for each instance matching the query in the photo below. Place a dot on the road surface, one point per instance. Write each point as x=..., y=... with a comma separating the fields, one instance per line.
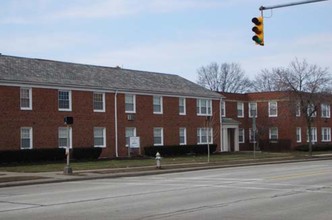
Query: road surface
x=281, y=191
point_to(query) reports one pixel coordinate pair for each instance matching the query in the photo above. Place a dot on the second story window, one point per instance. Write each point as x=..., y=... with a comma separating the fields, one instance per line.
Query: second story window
x=130, y=102
x=252, y=109
x=240, y=110
x=26, y=98
x=311, y=110
x=99, y=102
x=204, y=107
x=273, y=109
x=64, y=100
x=182, y=106
x=223, y=109
x=157, y=104
x=325, y=110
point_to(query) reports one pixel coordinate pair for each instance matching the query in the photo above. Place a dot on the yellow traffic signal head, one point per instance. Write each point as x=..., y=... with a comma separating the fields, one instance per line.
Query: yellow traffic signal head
x=259, y=30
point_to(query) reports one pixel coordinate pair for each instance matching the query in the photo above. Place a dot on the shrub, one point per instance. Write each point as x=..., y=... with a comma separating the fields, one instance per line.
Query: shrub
x=315, y=147
x=176, y=150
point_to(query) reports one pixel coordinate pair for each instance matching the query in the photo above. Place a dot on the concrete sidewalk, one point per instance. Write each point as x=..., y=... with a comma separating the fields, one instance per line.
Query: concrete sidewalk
x=9, y=179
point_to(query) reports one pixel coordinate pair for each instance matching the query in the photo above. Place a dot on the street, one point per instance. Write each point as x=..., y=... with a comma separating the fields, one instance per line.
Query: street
x=280, y=191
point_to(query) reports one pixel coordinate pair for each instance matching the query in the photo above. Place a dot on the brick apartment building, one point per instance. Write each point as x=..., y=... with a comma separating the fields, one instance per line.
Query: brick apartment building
x=279, y=123
x=108, y=105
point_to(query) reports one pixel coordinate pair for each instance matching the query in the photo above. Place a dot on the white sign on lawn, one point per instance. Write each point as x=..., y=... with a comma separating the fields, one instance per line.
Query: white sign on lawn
x=134, y=142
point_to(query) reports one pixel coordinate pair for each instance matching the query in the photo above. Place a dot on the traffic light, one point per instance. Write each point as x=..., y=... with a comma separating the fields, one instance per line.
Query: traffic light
x=259, y=30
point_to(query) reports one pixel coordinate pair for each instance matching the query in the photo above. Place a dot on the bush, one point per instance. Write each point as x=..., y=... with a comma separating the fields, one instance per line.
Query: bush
x=47, y=154
x=177, y=150
x=315, y=147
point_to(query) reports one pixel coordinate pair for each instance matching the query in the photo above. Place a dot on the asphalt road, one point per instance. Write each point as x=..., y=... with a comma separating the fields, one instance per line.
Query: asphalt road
x=281, y=191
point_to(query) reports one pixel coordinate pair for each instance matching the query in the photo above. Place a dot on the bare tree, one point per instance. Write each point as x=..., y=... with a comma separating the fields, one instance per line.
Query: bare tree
x=308, y=85
x=267, y=81
x=224, y=78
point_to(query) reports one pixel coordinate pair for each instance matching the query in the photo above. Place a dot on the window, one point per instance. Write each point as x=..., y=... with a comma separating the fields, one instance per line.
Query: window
x=240, y=110
x=26, y=98
x=99, y=135
x=326, y=134
x=158, y=136
x=298, y=135
x=273, y=109
x=325, y=109
x=26, y=138
x=298, y=109
x=98, y=102
x=204, y=135
x=63, y=137
x=314, y=135
x=182, y=106
x=273, y=133
x=183, y=136
x=157, y=104
x=223, y=109
x=64, y=100
x=130, y=132
x=204, y=107
x=241, y=135
x=130, y=102
x=311, y=110
x=252, y=109
x=252, y=137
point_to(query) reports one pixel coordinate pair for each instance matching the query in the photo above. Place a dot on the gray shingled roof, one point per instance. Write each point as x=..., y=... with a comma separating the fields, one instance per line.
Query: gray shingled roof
x=36, y=72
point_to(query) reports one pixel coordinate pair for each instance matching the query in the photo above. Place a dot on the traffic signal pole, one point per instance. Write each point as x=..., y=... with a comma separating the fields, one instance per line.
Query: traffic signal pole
x=289, y=4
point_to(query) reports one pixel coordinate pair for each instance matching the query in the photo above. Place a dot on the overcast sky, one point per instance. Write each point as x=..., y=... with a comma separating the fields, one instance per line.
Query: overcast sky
x=167, y=36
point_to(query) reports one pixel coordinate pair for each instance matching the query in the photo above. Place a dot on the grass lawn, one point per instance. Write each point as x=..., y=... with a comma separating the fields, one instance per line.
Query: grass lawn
x=223, y=158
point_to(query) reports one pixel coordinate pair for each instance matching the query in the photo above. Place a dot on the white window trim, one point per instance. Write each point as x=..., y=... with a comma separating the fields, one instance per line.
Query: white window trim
x=223, y=109
x=276, y=113
x=161, y=105
x=104, y=103
x=298, y=109
x=242, y=131
x=314, y=135
x=255, y=103
x=70, y=101
x=298, y=134
x=237, y=109
x=30, y=138
x=250, y=134
x=134, y=129
x=70, y=137
x=162, y=136
x=104, y=137
x=184, y=106
x=134, y=104
x=208, y=107
x=185, y=135
x=329, y=134
x=30, y=98
x=209, y=134
x=270, y=133
x=328, y=110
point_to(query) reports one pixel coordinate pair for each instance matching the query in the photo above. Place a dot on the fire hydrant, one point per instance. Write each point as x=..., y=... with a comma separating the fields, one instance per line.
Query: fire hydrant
x=158, y=159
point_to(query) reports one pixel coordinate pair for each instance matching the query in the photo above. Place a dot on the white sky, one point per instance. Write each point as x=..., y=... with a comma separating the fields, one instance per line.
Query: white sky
x=167, y=36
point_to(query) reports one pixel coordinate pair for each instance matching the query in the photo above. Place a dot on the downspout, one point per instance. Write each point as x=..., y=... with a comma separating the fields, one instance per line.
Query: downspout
x=221, y=129
x=116, y=123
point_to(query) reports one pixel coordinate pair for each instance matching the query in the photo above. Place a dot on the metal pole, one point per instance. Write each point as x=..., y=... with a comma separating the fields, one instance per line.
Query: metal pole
x=68, y=145
x=289, y=4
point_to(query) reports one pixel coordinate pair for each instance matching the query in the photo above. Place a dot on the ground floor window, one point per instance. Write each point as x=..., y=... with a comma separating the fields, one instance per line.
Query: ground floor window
x=158, y=136
x=241, y=135
x=99, y=135
x=204, y=135
x=63, y=134
x=26, y=138
x=130, y=132
x=326, y=134
x=183, y=136
x=298, y=135
x=313, y=135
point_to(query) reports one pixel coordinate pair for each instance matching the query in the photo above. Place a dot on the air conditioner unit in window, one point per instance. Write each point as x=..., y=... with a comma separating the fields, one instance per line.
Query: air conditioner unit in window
x=130, y=117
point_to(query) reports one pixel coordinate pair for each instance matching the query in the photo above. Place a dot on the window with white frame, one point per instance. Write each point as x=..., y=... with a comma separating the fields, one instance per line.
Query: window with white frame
x=26, y=98
x=204, y=135
x=311, y=110
x=157, y=104
x=26, y=138
x=298, y=109
x=63, y=134
x=298, y=135
x=313, y=135
x=130, y=132
x=273, y=133
x=252, y=136
x=204, y=107
x=98, y=102
x=182, y=106
x=64, y=100
x=223, y=108
x=273, y=109
x=252, y=109
x=325, y=110
x=183, y=136
x=130, y=103
x=326, y=134
x=241, y=135
x=240, y=109
x=99, y=137
x=158, y=136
